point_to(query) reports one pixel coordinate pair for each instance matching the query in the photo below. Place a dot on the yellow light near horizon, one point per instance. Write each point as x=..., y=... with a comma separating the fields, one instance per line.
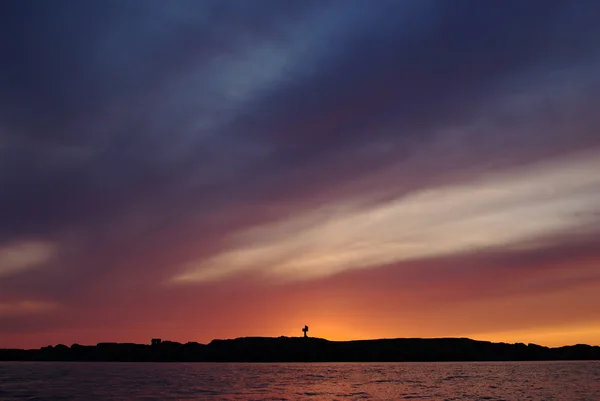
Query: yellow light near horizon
x=588, y=333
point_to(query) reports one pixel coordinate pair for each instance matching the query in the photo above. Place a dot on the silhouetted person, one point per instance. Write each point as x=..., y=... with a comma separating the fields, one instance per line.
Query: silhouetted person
x=305, y=330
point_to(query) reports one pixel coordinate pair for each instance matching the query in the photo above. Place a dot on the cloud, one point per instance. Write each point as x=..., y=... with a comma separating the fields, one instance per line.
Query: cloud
x=144, y=102
x=498, y=210
x=19, y=256
x=17, y=308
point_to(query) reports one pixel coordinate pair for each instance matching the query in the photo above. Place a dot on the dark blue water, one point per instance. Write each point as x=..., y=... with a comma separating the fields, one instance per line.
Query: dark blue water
x=564, y=381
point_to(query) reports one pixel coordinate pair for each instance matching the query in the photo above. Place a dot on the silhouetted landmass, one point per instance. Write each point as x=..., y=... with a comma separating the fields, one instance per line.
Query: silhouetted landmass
x=295, y=349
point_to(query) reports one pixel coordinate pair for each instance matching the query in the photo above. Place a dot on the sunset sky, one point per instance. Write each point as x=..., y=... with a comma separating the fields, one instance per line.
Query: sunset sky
x=203, y=169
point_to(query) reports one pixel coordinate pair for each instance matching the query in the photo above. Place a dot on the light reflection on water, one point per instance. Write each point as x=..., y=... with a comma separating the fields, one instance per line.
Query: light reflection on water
x=564, y=381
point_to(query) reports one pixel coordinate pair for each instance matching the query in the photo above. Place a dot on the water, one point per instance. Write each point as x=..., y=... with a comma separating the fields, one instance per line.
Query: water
x=564, y=381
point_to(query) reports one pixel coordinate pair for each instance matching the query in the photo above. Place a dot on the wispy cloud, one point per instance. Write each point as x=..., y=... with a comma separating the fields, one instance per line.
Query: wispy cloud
x=19, y=256
x=506, y=209
x=18, y=308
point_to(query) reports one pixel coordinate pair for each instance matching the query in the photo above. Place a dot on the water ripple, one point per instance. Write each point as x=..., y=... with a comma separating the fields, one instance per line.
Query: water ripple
x=45, y=381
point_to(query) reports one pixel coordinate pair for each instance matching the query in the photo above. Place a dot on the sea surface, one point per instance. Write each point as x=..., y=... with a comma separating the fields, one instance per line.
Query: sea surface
x=564, y=381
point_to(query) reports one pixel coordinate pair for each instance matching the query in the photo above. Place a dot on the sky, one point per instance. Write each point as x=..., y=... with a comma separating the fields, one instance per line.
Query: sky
x=192, y=170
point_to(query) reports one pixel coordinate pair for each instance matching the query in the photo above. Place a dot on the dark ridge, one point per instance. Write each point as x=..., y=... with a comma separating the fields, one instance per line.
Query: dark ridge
x=300, y=349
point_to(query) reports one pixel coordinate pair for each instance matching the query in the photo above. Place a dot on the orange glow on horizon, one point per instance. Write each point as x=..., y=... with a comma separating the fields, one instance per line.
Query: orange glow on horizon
x=332, y=309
